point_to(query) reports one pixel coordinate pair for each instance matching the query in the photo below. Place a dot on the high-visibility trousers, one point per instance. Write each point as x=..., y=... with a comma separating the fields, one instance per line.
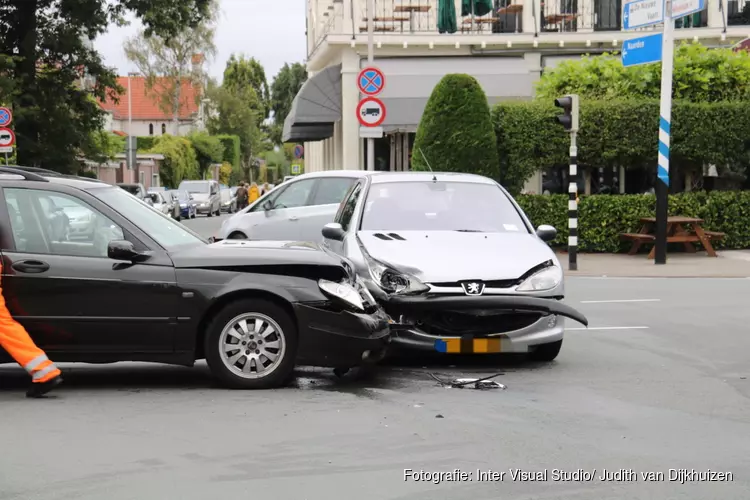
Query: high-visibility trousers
x=16, y=341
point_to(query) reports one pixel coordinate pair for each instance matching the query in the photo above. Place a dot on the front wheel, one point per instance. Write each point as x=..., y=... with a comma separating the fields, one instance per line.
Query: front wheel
x=546, y=352
x=252, y=344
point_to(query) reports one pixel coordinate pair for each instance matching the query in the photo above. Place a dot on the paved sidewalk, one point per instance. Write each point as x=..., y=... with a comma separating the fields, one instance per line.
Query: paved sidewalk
x=729, y=264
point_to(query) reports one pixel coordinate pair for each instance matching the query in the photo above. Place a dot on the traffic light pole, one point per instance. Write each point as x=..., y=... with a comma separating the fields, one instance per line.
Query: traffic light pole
x=665, y=118
x=573, y=206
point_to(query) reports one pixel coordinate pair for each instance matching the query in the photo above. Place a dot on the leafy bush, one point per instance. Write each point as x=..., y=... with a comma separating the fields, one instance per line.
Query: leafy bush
x=225, y=173
x=602, y=218
x=232, y=151
x=180, y=161
x=700, y=75
x=620, y=133
x=208, y=149
x=146, y=142
x=455, y=132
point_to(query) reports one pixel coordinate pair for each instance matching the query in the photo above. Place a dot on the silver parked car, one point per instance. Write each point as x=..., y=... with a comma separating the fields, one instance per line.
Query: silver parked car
x=158, y=200
x=454, y=259
x=206, y=194
x=295, y=210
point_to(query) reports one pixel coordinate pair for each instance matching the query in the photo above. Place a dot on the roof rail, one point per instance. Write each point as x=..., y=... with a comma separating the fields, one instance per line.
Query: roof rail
x=29, y=176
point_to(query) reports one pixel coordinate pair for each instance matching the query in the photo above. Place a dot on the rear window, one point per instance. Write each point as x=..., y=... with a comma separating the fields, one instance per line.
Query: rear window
x=195, y=186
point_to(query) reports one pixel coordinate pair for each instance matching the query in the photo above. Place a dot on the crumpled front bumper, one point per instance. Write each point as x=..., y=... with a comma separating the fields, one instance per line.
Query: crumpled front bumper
x=547, y=329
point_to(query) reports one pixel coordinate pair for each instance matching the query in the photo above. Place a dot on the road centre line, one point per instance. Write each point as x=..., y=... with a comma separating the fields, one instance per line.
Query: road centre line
x=608, y=328
x=618, y=300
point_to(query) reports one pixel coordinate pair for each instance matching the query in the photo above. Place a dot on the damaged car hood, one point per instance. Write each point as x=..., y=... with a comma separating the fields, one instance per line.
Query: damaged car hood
x=243, y=253
x=449, y=256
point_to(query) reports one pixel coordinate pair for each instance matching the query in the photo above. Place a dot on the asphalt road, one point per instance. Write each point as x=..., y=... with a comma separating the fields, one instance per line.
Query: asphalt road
x=651, y=386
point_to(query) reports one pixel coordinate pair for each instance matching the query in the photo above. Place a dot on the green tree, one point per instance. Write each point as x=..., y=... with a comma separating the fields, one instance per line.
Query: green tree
x=284, y=89
x=241, y=73
x=456, y=133
x=208, y=149
x=235, y=114
x=700, y=75
x=180, y=160
x=56, y=76
x=167, y=63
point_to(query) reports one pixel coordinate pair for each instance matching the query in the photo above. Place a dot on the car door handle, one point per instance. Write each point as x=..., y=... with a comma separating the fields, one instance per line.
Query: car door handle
x=293, y=217
x=31, y=266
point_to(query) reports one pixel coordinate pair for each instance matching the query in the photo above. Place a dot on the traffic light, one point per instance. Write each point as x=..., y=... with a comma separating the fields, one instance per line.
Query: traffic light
x=569, y=118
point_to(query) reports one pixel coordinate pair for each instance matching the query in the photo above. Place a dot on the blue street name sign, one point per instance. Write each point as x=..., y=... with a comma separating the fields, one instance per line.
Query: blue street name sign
x=643, y=50
x=642, y=13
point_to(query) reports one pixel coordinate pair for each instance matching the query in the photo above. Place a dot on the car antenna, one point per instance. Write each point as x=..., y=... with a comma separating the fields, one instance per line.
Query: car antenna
x=434, y=178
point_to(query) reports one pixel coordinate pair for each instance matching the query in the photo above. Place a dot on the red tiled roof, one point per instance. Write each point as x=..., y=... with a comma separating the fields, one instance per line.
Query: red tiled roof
x=145, y=104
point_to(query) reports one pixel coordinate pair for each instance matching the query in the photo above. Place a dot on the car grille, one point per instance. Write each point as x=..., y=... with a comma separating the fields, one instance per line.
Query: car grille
x=454, y=323
x=488, y=284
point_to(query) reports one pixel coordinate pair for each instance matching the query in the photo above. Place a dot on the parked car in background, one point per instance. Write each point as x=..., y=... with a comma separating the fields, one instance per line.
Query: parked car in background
x=186, y=203
x=137, y=190
x=159, y=202
x=228, y=200
x=251, y=309
x=296, y=210
x=455, y=258
x=206, y=194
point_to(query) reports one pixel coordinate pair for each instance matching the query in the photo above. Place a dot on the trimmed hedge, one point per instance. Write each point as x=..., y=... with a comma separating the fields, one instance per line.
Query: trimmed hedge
x=232, y=151
x=455, y=131
x=146, y=143
x=620, y=133
x=601, y=218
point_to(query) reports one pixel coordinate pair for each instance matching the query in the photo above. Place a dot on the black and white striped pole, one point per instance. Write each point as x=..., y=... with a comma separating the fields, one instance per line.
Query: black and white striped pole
x=569, y=120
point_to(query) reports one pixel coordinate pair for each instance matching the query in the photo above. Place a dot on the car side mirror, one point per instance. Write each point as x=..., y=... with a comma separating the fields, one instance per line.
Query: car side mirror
x=125, y=250
x=546, y=233
x=268, y=205
x=333, y=231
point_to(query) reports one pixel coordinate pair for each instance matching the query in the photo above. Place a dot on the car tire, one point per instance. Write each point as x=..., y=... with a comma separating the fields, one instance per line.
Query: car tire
x=546, y=352
x=229, y=366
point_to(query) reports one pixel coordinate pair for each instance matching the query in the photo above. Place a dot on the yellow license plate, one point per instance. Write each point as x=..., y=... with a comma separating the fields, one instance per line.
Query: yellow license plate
x=468, y=346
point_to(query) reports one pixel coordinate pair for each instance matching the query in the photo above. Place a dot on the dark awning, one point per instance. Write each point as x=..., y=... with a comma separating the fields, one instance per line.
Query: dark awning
x=316, y=107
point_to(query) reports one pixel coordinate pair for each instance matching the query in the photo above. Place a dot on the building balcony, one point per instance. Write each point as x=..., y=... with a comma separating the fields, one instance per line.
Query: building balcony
x=547, y=18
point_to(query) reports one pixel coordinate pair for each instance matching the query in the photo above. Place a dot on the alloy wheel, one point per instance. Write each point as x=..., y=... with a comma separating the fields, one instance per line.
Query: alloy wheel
x=252, y=345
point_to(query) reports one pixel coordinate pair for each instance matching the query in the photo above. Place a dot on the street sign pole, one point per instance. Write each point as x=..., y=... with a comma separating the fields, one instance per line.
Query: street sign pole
x=370, y=60
x=665, y=119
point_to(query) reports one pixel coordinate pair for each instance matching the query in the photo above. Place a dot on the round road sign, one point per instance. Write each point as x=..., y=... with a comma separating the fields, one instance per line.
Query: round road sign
x=371, y=112
x=371, y=81
x=6, y=116
x=299, y=150
x=7, y=137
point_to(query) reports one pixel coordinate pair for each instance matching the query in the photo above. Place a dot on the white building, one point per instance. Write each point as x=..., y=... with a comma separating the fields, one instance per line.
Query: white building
x=506, y=49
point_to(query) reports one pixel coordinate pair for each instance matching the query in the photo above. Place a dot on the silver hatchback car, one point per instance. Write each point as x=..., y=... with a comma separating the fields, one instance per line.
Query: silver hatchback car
x=454, y=260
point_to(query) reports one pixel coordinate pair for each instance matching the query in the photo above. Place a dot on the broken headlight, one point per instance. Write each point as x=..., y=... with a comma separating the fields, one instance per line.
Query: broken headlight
x=393, y=281
x=541, y=281
x=343, y=292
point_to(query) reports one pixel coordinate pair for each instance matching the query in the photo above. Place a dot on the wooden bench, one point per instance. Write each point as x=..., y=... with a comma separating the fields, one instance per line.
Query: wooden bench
x=637, y=237
x=715, y=235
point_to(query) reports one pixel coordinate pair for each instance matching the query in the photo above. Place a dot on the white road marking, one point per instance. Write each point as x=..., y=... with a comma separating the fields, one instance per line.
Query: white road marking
x=618, y=300
x=609, y=328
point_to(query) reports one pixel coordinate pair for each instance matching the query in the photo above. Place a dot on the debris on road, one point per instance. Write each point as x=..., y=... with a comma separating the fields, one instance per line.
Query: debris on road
x=478, y=383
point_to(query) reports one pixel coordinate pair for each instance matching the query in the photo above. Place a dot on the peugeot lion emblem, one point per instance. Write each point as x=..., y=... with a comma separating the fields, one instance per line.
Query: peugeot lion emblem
x=473, y=287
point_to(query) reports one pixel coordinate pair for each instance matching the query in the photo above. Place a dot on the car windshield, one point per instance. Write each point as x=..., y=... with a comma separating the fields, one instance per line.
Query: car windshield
x=166, y=232
x=440, y=206
x=182, y=195
x=233, y=190
x=194, y=186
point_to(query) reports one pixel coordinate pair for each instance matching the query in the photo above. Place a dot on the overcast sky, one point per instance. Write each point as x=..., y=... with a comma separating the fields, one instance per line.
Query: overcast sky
x=272, y=31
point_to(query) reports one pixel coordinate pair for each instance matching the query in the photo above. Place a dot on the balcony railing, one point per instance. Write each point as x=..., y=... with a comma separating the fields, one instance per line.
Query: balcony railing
x=506, y=16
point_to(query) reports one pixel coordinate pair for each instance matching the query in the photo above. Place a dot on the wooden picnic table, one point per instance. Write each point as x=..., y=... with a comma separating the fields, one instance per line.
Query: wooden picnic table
x=685, y=230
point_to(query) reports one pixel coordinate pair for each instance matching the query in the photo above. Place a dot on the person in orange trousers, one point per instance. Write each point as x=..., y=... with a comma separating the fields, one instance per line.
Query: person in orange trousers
x=16, y=341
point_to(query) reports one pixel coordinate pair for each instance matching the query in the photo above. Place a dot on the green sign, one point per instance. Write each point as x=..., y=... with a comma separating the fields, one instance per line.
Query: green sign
x=296, y=169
